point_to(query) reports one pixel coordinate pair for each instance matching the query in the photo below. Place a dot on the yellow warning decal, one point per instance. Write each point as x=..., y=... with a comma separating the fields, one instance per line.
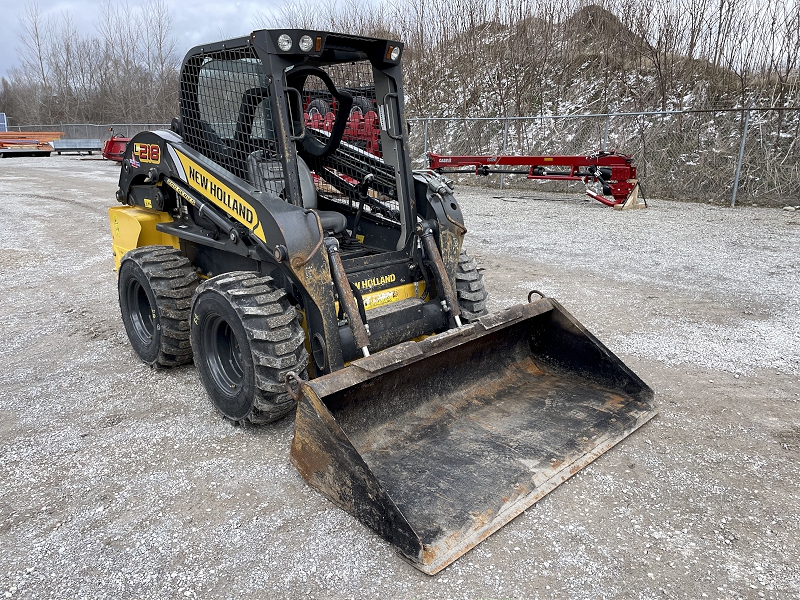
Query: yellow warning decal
x=180, y=191
x=401, y=292
x=220, y=194
x=380, y=298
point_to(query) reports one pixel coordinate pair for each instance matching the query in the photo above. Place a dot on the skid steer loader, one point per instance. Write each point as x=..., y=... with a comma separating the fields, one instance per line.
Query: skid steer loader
x=299, y=270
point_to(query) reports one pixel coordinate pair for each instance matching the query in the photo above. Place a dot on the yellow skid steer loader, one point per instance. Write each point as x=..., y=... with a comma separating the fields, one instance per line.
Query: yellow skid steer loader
x=277, y=236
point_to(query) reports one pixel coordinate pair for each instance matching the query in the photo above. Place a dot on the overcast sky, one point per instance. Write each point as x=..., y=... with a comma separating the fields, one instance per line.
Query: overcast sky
x=193, y=22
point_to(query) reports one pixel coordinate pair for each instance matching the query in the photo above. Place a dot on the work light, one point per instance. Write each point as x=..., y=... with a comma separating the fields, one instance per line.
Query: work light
x=284, y=42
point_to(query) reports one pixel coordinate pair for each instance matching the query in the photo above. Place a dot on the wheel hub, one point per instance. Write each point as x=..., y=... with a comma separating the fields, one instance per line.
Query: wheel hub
x=141, y=312
x=223, y=355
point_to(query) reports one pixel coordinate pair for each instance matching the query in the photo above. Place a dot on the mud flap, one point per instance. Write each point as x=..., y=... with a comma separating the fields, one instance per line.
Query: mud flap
x=437, y=444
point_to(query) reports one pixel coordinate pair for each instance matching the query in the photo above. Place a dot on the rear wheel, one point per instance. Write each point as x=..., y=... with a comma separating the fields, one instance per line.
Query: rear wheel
x=470, y=289
x=362, y=105
x=246, y=337
x=156, y=284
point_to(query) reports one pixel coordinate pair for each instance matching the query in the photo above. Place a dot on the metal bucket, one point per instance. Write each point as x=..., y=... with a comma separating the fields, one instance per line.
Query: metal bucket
x=437, y=444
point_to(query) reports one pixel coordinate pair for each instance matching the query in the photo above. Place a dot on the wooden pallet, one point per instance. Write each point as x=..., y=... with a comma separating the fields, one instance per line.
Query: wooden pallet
x=28, y=142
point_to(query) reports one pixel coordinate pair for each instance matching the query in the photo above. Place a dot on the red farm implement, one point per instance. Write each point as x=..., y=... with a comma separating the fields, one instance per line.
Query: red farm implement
x=114, y=148
x=361, y=139
x=610, y=177
x=362, y=130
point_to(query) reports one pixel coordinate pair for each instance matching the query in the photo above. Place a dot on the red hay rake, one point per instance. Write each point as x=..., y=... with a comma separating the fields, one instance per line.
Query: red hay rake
x=610, y=177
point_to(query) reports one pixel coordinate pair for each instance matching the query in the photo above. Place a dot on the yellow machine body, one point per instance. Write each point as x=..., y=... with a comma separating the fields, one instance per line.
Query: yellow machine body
x=134, y=226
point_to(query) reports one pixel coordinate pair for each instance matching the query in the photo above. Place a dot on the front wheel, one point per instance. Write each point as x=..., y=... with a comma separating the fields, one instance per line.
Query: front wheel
x=246, y=337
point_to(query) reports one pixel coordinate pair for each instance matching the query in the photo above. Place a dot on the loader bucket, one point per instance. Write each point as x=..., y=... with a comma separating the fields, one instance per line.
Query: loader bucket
x=437, y=444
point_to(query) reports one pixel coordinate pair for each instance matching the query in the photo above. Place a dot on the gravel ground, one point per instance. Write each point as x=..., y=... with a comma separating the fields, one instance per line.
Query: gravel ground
x=122, y=482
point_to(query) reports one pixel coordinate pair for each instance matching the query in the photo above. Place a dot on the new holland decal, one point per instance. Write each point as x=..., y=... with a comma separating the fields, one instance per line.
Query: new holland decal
x=368, y=284
x=220, y=194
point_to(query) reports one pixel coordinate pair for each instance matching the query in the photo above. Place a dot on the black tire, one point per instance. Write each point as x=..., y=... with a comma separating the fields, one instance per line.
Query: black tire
x=319, y=105
x=470, y=289
x=156, y=284
x=362, y=105
x=246, y=337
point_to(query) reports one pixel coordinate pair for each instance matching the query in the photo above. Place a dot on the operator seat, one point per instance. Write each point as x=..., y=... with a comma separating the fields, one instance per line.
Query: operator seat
x=267, y=175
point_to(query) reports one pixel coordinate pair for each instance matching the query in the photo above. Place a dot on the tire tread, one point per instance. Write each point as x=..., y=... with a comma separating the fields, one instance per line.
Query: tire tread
x=470, y=289
x=277, y=341
x=173, y=281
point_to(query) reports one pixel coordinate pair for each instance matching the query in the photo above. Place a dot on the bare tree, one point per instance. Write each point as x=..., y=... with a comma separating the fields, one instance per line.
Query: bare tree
x=462, y=57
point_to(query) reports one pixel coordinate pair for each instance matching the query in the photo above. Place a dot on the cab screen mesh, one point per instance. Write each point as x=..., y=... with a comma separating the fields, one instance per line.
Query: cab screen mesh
x=225, y=112
x=360, y=152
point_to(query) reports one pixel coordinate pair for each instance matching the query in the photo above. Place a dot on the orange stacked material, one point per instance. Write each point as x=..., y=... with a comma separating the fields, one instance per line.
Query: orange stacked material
x=27, y=143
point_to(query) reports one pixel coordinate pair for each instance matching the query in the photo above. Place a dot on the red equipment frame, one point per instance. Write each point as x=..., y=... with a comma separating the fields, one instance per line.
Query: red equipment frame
x=360, y=128
x=605, y=173
x=114, y=148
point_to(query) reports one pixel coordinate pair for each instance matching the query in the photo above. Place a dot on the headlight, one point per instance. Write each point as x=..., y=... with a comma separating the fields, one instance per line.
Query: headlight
x=306, y=43
x=395, y=54
x=284, y=42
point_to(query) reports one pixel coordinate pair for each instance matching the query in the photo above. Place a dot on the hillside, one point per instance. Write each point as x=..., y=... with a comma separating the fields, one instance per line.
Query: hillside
x=504, y=58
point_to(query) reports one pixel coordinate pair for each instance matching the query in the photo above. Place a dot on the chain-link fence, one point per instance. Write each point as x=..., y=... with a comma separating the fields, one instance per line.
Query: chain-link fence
x=678, y=154
x=92, y=131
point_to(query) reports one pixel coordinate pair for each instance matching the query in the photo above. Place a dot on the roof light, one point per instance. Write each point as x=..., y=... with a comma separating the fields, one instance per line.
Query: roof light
x=284, y=42
x=306, y=43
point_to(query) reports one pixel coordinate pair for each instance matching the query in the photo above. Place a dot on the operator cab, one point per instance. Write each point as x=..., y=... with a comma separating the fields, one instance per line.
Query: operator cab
x=341, y=119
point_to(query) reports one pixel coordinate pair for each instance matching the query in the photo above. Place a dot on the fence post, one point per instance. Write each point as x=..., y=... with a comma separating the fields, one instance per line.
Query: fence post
x=605, y=133
x=425, y=142
x=503, y=151
x=741, y=156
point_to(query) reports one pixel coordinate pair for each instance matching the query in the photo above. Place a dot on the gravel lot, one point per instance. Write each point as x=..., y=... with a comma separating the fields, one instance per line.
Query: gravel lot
x=122, y=482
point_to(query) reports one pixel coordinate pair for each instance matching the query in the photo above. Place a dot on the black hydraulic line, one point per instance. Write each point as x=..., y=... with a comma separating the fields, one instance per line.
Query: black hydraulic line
x=362, y=310
x=424, y=270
